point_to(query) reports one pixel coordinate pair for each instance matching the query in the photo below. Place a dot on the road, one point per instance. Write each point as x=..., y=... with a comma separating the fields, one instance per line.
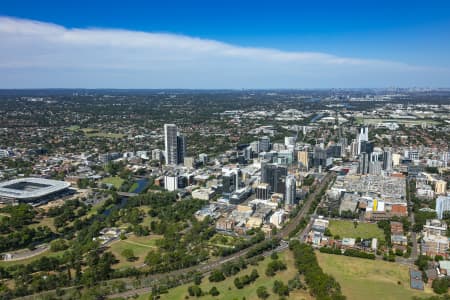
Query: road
x=306, y=206
x=204, y=269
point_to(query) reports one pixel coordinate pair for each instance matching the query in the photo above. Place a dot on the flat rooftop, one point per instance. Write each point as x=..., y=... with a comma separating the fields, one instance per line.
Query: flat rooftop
x=30, y=188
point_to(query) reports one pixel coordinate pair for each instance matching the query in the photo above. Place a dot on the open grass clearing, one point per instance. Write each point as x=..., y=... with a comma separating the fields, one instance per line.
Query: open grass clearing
x=45, y=221
x=140, y=246
x=369, y=279
x=73, y=128
x=114, y=180
x=347, y=229
x=90, y=132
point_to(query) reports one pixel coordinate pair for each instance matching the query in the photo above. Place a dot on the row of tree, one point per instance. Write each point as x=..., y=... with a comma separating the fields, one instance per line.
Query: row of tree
x=321, y=285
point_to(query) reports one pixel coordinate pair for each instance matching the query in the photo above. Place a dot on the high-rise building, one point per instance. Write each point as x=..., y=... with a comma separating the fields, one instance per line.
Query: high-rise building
x=170, y=142
x=366, y=146
x=157, y=154
x=363, y=136
x=171, y=182
x=302, y=157
x=396, y=159
x=387, y=159
x=440, y=187
x=375, y=167
x=175, y=145
x=290, y=190
x=264, y=144
x=334, y=151
x=354, y=148
x=274, y=175
x=248, y=153
x=289, y=140
x=230, y=181
x=181, y=148
x=263, y=191
x=255, y=146
x=320, y=157
x=363, y=167
x=442, y=205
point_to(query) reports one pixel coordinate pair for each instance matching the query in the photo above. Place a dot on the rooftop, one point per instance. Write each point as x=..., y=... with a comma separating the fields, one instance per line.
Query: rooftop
x=29, y=188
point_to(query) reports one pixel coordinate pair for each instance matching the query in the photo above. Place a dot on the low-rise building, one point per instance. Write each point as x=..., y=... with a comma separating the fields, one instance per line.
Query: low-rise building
x=203, y=194
x=433, y=245
x=277, y=218
x=399, y=240
x=396, y=228
x=225, y=224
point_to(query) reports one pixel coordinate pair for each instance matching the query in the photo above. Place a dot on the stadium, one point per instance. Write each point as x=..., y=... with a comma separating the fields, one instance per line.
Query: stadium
x=32, y=190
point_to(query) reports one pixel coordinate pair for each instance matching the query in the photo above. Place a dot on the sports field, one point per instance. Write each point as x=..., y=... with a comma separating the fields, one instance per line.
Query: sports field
x=369, y=279
x=347, y=229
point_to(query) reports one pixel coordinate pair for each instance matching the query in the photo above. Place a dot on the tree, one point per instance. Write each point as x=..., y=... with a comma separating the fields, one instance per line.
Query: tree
x=440, y=285
x=214, y=291
x=238, y=283
x=262, y=293
x=128, y=254
x=280, y=288
x=198, y=278
x=58, y=245
x=195, y=290
x=216, y=276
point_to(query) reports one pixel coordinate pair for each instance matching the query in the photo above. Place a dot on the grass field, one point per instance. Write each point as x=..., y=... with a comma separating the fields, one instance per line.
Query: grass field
x=222, y=240
x=73, y=128
x=116, y=181
x=140, y=246
x=363, y=230
x=89, y=132
x=368, y=279
x=44, y=222
x=133, y=187
x=228, y=291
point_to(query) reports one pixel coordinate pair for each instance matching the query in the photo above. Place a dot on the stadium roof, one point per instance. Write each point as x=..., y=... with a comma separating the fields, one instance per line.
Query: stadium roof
x=31, y=188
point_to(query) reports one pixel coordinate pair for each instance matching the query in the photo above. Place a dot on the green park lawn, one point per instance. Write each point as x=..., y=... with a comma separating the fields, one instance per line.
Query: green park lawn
x=369, y=279
x=140, y=246
x=228, y=290
x=90, y=132
x=73, y=128
x=46, y=221
x=363, y=230
x=116, y=181
x=222, y=240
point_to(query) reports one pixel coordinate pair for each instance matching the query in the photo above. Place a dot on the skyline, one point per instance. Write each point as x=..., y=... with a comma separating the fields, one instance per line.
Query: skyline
x=50, y=48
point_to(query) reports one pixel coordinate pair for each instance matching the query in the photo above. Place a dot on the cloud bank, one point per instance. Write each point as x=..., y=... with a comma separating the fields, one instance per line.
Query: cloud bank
x=37, y=54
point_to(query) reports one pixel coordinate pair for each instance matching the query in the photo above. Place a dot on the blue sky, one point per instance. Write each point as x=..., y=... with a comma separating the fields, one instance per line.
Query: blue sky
x=232, y=44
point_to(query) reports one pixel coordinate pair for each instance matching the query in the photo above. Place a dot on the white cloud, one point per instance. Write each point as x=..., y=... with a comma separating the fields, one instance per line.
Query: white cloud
x=120, y=58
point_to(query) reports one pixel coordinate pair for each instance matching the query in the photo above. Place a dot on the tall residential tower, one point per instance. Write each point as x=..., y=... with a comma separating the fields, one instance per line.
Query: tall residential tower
x=175, y=145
